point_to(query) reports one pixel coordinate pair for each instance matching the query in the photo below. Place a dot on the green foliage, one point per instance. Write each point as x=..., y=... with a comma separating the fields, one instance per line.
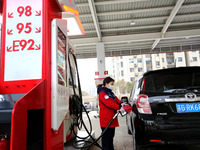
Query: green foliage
x=123, y=87
x=84, y=93
x=129, y=86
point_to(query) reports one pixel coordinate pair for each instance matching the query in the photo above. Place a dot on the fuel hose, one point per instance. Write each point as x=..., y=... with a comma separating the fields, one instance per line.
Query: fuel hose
x=80, y=123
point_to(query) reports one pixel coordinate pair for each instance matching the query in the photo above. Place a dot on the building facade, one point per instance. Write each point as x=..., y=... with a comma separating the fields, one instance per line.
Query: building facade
x=129, y=68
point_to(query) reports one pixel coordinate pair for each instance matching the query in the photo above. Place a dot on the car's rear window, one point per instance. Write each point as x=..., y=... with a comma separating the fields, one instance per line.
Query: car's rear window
x=171, y=81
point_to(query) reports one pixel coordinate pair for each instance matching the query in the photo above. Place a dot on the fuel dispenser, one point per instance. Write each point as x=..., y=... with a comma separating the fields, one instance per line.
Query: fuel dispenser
x=35, y=81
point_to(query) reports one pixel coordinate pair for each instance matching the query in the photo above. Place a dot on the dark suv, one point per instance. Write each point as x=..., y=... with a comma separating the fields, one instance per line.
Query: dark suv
x=166, y=107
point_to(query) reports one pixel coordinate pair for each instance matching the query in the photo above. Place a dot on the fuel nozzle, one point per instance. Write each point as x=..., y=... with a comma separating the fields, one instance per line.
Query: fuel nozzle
x=125, y=110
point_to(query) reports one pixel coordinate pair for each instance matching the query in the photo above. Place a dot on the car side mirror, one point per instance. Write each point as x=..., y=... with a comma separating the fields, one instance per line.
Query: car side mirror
x=124, y=99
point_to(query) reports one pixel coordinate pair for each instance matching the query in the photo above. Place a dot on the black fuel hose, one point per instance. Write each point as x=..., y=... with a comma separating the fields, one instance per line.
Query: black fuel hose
x=95, y=141
x=80, y=121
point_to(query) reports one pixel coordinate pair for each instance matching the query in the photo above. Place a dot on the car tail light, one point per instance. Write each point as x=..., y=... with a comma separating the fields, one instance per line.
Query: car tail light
x=143, y=105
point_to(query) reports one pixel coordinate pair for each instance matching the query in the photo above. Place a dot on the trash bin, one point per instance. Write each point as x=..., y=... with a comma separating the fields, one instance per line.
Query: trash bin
x=4, y=145
x=4, y=142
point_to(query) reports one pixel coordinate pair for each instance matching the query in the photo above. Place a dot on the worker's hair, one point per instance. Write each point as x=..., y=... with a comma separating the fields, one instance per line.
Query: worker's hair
x=100, y=85
x=108, y=80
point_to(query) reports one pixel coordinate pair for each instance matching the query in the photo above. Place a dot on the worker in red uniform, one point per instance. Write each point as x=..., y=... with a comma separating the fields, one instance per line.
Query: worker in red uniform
x=109, y=104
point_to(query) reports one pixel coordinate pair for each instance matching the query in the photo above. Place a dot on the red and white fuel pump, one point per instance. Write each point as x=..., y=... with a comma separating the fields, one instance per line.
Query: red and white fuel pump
x=35, y=78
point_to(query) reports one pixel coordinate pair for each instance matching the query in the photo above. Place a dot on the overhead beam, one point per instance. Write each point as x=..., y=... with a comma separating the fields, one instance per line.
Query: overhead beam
x=127, y=20
x=137, y=37
x=168, y=22
x=139, y=10
x=89, y=48
x=109, y=2
x=80, y=50
x=133, y=51
x=142, y=27
x=129, y=11
x=128, y=28
x=118, y=2
x=95, y=19
x=141, y=19
x=172, y=15
x=121, y=46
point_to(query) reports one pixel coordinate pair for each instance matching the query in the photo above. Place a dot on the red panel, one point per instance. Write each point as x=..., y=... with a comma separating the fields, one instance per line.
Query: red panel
x=32, y=100
x=4, y=145
x=18, y=86
x=71, y=135
x=3, y=43
x=39, y=91
x=57, y=139
x=52, y=11
x=11, y=86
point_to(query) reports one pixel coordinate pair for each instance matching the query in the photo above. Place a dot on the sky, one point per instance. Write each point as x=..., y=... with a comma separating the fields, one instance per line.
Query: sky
x=87, y=69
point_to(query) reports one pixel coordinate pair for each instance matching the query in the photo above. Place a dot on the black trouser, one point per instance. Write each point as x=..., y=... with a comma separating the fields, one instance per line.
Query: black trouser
x=107, y=139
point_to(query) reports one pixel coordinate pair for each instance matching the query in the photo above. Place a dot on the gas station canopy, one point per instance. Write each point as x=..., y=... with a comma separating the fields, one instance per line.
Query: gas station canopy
x=131, y=27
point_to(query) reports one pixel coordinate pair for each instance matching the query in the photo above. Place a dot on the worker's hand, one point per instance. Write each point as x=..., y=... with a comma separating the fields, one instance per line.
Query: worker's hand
x=122, y=110
x=123, y=104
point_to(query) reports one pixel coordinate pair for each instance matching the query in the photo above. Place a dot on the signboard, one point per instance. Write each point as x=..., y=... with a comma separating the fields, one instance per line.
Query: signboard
x=96, y=73
x=105, y=72
x=23, y=43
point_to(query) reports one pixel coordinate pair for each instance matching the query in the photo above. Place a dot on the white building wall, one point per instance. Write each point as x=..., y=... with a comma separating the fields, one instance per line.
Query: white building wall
x=186, y=57
x=153, y=61
x=178, y=62
x=192, y=58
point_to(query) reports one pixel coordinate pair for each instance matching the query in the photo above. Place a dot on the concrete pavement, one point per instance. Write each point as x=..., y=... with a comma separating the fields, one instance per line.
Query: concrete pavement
x=124, y=141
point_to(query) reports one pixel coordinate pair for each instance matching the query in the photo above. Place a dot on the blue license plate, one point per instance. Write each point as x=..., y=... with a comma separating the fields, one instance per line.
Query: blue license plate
x=187, y=107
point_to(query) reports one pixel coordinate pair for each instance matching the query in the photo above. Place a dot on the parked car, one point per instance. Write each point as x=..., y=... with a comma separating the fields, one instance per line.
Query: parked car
x=87, y=106
x=166, y=107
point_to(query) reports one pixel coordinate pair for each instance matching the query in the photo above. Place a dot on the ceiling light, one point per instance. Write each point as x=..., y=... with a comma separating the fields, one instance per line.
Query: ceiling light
x=74, y=25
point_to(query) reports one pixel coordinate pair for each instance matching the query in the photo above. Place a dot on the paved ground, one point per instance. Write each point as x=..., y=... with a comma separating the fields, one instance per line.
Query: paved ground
x=123, y=141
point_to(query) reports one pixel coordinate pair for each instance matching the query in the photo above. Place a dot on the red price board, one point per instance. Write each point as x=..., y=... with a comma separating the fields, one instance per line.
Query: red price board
x=23, y=44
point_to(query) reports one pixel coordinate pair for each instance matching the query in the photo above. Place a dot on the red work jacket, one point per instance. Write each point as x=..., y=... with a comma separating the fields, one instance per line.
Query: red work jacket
x=108, y=108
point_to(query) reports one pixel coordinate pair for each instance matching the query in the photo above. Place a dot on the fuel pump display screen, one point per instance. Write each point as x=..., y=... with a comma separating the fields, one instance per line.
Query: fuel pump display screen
x=59, y=73
x=61, y=58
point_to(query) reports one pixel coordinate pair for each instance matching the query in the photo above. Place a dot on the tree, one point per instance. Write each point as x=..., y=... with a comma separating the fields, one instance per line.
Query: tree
x=84, y=93
x=122, y=87
x=129, y=86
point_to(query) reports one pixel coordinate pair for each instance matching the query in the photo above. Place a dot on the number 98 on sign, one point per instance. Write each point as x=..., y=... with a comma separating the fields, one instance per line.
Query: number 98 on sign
x=24, y=10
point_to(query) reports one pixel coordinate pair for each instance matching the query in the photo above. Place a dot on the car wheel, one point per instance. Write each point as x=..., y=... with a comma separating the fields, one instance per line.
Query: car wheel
x=136, y=144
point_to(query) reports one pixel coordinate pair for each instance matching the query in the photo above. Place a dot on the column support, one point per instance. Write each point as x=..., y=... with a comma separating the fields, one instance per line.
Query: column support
x=101, y=59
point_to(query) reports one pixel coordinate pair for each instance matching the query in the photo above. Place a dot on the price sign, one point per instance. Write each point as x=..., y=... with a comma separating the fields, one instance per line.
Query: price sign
x=23, y=44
